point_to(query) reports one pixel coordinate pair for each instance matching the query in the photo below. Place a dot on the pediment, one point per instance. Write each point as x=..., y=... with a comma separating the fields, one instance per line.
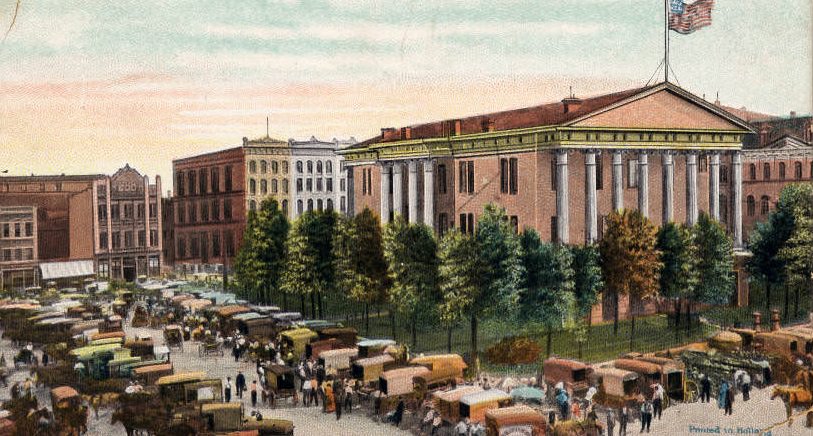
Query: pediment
x=662, y=109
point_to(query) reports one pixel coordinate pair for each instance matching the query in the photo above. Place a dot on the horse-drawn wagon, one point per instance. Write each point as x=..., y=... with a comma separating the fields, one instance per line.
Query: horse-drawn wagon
x=447, y=403
x=369, y=369
x=475, y=405
x=280, y=380
x=515, y=420
x=572, y=373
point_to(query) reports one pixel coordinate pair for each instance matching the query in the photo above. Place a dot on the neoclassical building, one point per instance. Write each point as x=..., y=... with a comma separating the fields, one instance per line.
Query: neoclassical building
x=560, y=168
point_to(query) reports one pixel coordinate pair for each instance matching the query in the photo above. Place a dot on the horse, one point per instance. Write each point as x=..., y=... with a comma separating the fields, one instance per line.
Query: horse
x=793, y=396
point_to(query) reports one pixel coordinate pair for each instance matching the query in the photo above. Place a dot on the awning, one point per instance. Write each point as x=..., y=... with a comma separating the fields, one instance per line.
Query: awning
x=60, y=270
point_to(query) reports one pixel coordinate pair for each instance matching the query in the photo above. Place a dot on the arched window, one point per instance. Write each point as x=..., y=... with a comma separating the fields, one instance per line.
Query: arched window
x=284, y=186
x=764, y=205
x=263, y=166
x=329, y=204
x=274, y=167
x=252, y=167
x=797, y=170
x=310, y=167
x=781, y=170
x=752, y=171
x=299, y=207
x=285, y=207
x=252, y=186
x=263, y=187
x=766, y=171
x=252, y=205
x=274, y=186
x=285, y=167
x=750, y=206
x=319, y=166
x=299, y=166
x=319, y=204
x=329, y=167
x=310, y=205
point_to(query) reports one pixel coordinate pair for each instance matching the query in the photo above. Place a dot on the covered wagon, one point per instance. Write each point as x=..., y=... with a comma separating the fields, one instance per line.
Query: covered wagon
x=374, y=347
x=280, y=380
x=475, y=405
x=369, y=369
x=171, y=387
x=222, y=417
x=296, y=340
x=338, y=359
x=269, y=426
x=150, y=374
x=447, y=403
x=673, y=375
x=616, y=386
x=444, y=369
x=572, y=373
x=255, y=324
x=400, y=381
x=314, y=348
x=515, y=421
x=347, y=336
x=648, y=373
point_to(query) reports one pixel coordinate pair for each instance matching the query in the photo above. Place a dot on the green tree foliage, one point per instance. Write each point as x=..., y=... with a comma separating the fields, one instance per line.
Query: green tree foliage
x=547, y=295
x=679, y=256
x=587, y=278
x=797, y=252
x=459, y=272
x=767, y=238
x=309, y=268
x=715, y=266
x=412, y=255
x=493, y=285
x=629, y=260
x=358, y=259
x=262, y=256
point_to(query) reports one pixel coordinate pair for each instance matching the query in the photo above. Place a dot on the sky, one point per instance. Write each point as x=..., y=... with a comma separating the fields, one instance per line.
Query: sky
x=87, y=86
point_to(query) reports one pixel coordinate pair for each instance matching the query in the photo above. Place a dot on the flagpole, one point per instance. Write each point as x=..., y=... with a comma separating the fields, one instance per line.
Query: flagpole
x=665, y=40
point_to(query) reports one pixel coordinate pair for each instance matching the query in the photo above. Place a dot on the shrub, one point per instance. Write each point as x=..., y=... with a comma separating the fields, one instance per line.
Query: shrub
x=514, y=350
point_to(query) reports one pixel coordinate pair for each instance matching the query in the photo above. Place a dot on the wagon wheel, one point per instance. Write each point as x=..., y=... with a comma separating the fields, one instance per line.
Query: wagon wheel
x=690, y=392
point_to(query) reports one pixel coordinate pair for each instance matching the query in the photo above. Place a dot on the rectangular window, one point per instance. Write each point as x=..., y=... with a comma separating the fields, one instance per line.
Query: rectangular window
x=227, y=178
x=632, y=173
x=128, y=239
x=215, y=244
x=319, y=184
x=363, y=182
x=463, y=227
x=342, y=185
x=470, y=218
x=442, y=179
x=513, y=171
x=554, y=233
x=153, y=210
x=193, y=213
x=229, y=243
x=204, y=212
x=215, y=210
x=515, y=223
x=461, y=186
x=103, y=240
x=102, y=213
x=194, y=246
x=128, y=211
x=370, y=181
x=181, y=248
x=309, y=185
x=7, y=255
x=115, y=212
x=342, y=204
x=140, y=209
x=181, y=213
x=17, y=230
x=29, y=229
x=215, y=179
x=703, y=165
x=153, y=238
x=6, y=230
x=329, y=187
x=504, y=176
x=443, y=223
x=227, y=208
x=470, y=170
x=142, y=238
x=104, y=269
x=553, y=183
x=115, y=240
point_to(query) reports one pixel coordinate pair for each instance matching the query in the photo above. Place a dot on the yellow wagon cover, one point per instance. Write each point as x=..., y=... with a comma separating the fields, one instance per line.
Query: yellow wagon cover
x=184, y=377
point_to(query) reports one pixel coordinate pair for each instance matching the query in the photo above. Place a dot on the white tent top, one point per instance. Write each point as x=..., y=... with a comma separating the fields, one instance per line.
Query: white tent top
x=73, y=268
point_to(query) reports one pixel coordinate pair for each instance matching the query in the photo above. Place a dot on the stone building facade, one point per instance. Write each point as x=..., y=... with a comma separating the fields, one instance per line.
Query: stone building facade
x=319, y=176
x=560, y=168
x=18, y=247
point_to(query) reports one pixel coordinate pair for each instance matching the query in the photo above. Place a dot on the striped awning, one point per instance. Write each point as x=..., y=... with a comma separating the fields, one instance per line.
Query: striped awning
x=60, y=270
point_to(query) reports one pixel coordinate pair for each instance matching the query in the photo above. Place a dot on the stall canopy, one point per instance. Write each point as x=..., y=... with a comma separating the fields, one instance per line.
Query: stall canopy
x=69, y=269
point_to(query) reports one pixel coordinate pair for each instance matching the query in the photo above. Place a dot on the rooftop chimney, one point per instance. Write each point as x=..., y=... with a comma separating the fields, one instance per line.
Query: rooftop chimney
x=406, y=132
x=388, y=134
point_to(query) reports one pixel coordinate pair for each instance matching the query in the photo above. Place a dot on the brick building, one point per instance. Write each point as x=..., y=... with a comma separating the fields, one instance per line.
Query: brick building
x=18, y=246
x=560, y=168
x=214, y=192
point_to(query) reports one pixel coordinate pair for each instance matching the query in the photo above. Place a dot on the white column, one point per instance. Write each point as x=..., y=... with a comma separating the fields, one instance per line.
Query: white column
x=643, y=184
x=736, y=161
x=668, y=188
x=429, y=193
x=397, y=188
x=714, y=186
x=412, y=194
x=385, y=193
x=562, y=200
x=618, y=181
x=691, y=188
x=591, y=212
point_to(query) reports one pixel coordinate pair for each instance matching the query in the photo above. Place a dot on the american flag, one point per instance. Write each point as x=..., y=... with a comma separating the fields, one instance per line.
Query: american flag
x=695, y=16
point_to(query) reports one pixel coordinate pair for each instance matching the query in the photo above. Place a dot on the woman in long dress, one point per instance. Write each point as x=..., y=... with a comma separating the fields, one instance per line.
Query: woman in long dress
x=330, y=400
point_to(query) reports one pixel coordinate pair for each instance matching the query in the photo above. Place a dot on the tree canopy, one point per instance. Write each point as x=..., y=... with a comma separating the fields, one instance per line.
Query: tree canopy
x=263, y=255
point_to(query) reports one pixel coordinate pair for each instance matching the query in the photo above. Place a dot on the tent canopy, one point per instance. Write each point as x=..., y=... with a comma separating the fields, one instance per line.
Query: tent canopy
x=61, y=270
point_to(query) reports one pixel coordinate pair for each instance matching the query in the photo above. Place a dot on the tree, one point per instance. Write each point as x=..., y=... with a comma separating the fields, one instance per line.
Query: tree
x=679, y=256
x=301, y=274
x=715, y=266
x=261, y=259
x=766, y=240
x=797, y=252
x=547, y=294
x=459, y=271
x=629, y=259
x=411, y=253
x=587, y=278
x=493, y=272
x=358, y=260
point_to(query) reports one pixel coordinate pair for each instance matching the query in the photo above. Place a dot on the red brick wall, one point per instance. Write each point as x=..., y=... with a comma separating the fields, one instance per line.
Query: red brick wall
x=772, y=188
x=372, y=200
